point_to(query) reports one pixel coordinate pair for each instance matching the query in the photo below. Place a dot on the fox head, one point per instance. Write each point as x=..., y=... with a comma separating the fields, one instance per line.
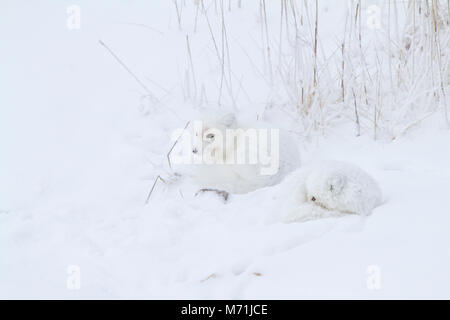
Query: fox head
x=337, y=186
x=322, y=189
x=209, y=139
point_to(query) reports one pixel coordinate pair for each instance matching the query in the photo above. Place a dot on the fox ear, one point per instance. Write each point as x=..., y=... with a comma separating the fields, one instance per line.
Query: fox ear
x=337, y=183
x=229, y=119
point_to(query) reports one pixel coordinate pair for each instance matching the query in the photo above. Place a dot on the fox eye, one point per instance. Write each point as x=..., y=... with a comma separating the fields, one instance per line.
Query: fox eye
x=210, y=136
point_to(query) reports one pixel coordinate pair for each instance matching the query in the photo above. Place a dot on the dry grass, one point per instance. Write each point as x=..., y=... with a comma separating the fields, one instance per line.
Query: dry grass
x=382, y=80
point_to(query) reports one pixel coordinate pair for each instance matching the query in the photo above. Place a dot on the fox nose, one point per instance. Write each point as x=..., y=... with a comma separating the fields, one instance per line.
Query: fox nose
x=194, y=150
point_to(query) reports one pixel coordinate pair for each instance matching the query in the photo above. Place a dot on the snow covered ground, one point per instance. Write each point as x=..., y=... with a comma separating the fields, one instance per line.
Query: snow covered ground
x=82, y=142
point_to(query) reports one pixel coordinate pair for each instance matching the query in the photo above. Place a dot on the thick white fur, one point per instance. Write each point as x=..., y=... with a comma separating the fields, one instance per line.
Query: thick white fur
x=240, y=178
x=330, y=189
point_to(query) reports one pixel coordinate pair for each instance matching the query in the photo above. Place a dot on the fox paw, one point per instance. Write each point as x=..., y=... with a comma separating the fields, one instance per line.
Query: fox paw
x=224, y=194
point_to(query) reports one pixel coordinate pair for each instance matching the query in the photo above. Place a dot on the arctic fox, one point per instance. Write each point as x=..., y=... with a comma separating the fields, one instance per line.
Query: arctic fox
x=330, y=189
x=238, y=158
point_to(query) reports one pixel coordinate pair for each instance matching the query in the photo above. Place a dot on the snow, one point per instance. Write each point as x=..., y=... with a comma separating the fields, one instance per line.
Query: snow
x=82, y=143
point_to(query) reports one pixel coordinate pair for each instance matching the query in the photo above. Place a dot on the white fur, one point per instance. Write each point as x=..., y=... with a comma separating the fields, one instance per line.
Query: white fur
x=331, y=189
x=239, y=178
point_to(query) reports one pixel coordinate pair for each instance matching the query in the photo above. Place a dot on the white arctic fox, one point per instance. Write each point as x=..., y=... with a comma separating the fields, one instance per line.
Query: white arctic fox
x=238, y=158
x=329, y=189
